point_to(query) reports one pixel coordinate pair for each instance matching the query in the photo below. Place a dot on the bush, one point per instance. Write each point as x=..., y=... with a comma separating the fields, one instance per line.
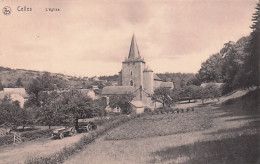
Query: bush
x=6, y=140
x=225, y=88
x=147, y=110
x=29, y=136
x=26, y=136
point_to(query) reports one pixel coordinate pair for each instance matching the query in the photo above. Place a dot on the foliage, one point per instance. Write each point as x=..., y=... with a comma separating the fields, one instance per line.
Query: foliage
x=34, y=88
x=122, y=101
x=1, y=86
x=189, y=92
x=162, y=95
x=109, y=78
x=99, y=106
x=179, y=80
x=19, y=83
x=237, y=64
x=210, y=91
x=26, y=136
x=61, y=108
x=10, y=112
x=210, y=70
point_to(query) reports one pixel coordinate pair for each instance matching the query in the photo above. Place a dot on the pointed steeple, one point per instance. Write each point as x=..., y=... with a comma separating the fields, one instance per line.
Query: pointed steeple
x=134, y=52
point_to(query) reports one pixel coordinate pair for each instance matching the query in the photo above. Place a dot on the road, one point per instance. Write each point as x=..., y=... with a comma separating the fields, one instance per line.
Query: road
x=19, y=153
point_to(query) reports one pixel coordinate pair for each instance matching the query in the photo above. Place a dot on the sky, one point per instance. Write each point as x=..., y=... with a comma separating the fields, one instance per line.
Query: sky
x=92, y=38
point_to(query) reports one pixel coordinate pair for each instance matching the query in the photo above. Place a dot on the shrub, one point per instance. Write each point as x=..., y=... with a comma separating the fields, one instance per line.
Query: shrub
x=147, y=110
x=29, y=136
x=26, y=136
x=5, y=140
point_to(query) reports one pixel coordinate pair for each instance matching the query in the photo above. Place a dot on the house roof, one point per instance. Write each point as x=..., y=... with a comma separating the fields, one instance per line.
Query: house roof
x=148, y=69
x=20, y=91
x=166, y=85
x=118, y=90
x=138, y=104
x=84, y=91
x=217, y=84
x=155, y=77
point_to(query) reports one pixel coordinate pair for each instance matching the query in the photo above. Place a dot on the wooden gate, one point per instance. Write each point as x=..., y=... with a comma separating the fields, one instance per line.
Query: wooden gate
x=17, y=138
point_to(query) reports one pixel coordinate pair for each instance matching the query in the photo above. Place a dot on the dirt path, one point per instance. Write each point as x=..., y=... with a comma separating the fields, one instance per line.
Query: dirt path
x=222, y=99
x=19, y=153
x=139, y=150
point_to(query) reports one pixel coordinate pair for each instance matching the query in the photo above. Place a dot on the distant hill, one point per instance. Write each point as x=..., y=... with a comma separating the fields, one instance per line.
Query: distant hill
x=9, y=77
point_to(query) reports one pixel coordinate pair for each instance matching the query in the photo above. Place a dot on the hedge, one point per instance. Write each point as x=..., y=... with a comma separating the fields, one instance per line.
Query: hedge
x=26, y=136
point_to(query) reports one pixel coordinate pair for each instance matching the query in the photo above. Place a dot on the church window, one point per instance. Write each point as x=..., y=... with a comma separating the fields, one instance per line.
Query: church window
x=131, y=83
x=131, y=72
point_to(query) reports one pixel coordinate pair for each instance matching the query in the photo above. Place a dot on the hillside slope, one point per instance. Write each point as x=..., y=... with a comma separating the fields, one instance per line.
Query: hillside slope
x=8, y=78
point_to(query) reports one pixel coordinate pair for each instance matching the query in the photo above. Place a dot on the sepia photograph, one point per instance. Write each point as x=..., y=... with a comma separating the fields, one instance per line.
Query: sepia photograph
x=130, y=81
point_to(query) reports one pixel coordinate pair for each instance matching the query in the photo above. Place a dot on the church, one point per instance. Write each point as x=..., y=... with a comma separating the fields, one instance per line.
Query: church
x=136, y=77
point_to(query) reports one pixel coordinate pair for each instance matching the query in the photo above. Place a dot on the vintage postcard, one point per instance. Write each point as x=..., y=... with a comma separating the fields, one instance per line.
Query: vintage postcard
x=129, y=81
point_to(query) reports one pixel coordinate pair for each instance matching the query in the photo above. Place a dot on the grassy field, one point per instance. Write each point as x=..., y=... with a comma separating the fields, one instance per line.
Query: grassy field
x=237, y=148
x=215, y=134
x=163, y=124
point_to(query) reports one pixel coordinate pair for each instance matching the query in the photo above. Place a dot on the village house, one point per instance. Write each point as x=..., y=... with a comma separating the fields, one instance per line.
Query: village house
x=15, y=94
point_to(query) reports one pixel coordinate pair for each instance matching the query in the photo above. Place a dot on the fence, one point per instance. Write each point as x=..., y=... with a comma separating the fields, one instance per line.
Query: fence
x=17, y=138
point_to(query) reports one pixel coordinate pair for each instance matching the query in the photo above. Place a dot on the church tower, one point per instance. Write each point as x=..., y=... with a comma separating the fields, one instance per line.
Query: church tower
x=133, y=67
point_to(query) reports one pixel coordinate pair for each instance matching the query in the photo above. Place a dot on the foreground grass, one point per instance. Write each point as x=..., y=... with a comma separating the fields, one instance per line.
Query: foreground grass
x=164, y=124
x=239, y=150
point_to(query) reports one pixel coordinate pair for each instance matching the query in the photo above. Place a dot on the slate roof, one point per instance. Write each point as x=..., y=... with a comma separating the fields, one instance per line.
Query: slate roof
x=166, y=85
x=118, y=90
x=148, y=69
x=134, y=54
x=134, y=51
x=155, y=77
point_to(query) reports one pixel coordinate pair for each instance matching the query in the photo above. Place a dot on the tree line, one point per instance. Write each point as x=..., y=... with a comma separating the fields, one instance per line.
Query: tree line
x=236, y=64
x=48, y=106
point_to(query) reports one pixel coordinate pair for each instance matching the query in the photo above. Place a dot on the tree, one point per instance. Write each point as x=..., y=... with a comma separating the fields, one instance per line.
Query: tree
x=194, y=81
x=48, y=83
x=1, y=86
x=19, y=83
x=11, y=113
x=34, y=88
x=99, y=106
x=162, y=95
x=62, y=108
x=211, y=70
x=122, y=101
x=43, y=83
x=252, y=61
x=210, y=91
x=230, y=67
